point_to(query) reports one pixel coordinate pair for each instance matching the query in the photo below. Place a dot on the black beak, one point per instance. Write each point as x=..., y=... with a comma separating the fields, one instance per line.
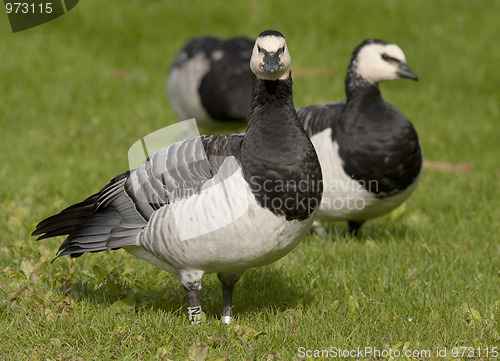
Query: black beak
x=406, y=72
x=271, y=62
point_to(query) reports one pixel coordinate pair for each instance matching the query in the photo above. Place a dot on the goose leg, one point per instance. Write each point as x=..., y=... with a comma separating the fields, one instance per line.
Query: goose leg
x=191, y=281
x=317, y=228
x=353, y=227
x=227, y=281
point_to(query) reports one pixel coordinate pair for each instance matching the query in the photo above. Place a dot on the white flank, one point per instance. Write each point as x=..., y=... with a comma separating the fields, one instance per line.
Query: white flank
x=182, y=87
x=345, y=198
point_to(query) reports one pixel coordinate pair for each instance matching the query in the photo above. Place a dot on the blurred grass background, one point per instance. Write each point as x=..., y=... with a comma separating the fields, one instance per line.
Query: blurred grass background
x=77, y=92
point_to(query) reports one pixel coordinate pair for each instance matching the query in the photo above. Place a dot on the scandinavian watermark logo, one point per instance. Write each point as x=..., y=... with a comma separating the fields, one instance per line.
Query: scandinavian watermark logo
x=26, y=14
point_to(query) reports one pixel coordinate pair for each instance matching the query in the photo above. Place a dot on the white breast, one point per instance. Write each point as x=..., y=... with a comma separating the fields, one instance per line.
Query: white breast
x=345, y=198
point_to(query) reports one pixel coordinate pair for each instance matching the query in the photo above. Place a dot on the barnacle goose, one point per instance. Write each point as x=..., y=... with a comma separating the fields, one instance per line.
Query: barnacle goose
x=210, y=80
x=219, y=203
x=368, y=149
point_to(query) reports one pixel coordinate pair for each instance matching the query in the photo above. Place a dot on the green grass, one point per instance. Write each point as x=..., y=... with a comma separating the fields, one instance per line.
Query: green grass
x=76, y=93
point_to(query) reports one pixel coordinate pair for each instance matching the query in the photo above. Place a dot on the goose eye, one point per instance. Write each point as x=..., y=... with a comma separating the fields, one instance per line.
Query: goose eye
x=258, y=49
x=385, y=57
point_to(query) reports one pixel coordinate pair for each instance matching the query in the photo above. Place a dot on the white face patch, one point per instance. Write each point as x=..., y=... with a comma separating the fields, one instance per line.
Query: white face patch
x=270, y=44
x=373, y=67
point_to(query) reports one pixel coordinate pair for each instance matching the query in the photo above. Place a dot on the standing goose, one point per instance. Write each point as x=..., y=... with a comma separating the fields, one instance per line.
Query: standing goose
x=210, y=80
x=220, y=203
x=369, y=151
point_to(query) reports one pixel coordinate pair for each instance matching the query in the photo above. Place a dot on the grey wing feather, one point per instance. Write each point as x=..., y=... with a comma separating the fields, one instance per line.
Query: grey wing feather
x=316, y=118
x=113, y=217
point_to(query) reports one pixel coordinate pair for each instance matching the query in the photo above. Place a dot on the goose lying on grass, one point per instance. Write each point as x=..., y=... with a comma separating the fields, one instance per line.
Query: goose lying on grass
x=210, y=80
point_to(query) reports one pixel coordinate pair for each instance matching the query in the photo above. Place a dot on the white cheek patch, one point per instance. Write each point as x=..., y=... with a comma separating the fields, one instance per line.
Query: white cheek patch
x=270, y=44
x=373, y=68
x=256, y=60
x=287, y=63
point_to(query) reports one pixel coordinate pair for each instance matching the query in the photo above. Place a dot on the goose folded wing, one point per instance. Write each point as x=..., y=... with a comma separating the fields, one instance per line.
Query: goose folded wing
x=112, y=217
x=316, y=118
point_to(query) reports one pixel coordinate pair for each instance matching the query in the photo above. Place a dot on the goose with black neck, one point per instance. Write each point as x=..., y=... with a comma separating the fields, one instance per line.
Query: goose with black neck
x=369, y=150
x=211, y=204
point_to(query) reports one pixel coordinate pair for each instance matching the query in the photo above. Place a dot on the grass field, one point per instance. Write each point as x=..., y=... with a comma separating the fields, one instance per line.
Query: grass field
x=76, y=93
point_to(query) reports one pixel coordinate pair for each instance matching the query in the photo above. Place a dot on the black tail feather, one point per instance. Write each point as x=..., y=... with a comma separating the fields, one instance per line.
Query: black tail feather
x=89, y=223
x=67, y=221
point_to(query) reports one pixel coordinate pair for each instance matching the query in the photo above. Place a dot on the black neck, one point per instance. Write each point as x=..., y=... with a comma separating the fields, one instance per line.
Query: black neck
x=272, y=118
x=265, y=92
x=277, y=155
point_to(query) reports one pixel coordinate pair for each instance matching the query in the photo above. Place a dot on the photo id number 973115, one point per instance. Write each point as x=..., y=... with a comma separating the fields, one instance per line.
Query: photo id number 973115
x=28, y=8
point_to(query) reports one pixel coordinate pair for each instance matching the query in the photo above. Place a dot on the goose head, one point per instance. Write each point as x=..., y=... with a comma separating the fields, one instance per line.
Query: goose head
x=270, y=57
x=378, y=60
